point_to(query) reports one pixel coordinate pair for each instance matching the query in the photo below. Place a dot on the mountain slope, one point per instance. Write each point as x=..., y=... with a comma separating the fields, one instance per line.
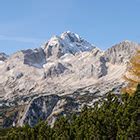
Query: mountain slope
x=59, y=78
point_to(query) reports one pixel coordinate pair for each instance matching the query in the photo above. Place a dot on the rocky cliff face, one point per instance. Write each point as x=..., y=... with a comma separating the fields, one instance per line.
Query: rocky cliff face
x=121, y=53
x=59, y=78
x=67, y=43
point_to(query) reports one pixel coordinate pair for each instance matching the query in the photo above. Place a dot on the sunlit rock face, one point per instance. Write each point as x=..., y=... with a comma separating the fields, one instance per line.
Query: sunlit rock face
x=122, y=52
x=67, y=42
x=59, y=78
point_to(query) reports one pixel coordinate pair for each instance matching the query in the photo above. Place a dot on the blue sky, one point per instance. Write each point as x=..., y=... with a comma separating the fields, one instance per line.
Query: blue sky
x=29, y=23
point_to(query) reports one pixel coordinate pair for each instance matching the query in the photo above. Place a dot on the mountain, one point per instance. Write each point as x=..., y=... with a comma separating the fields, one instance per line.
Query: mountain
x=121, y=52
x=59, y=78
x=67, y=43
x=3, y=57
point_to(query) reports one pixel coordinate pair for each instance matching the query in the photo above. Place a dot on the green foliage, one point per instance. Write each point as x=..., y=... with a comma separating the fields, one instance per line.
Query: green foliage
x=115, y=118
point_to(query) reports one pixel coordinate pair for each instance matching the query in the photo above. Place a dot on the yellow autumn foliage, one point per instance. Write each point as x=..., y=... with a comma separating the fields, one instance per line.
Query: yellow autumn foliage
x=133, y=74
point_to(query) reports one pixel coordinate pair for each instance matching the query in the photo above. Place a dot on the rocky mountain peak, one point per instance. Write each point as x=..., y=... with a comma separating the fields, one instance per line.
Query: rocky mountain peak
x=72, y=37
x=122, y=52
x=67, y=42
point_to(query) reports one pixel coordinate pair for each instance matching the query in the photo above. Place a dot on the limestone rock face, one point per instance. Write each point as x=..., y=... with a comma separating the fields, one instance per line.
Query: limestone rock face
x=59, y=78
x=40, y=107
x=122, y=52
x=56, y=70
x=34, y=57
x=67, y=43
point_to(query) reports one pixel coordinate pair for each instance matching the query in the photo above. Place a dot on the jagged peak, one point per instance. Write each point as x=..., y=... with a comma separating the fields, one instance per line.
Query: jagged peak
x=73, y=37
x=65, y=36
x=125, y=44
x=122, y=52
x=67, y=42
x=128, y=42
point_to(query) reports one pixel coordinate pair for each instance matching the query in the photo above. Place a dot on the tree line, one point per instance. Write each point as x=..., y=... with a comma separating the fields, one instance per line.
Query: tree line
x=114, y=118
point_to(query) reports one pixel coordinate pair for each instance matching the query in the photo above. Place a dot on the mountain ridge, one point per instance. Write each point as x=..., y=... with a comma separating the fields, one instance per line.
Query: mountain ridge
x=66, y=68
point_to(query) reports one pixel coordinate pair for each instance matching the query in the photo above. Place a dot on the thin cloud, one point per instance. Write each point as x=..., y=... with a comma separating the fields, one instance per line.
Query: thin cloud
x=20, y=39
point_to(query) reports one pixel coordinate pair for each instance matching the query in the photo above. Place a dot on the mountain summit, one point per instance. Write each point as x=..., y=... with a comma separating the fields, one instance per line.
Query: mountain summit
x=59, y=78
x=67, y=42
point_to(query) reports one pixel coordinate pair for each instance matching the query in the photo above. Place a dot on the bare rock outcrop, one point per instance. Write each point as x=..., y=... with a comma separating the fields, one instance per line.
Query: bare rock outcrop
x=122, y=52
